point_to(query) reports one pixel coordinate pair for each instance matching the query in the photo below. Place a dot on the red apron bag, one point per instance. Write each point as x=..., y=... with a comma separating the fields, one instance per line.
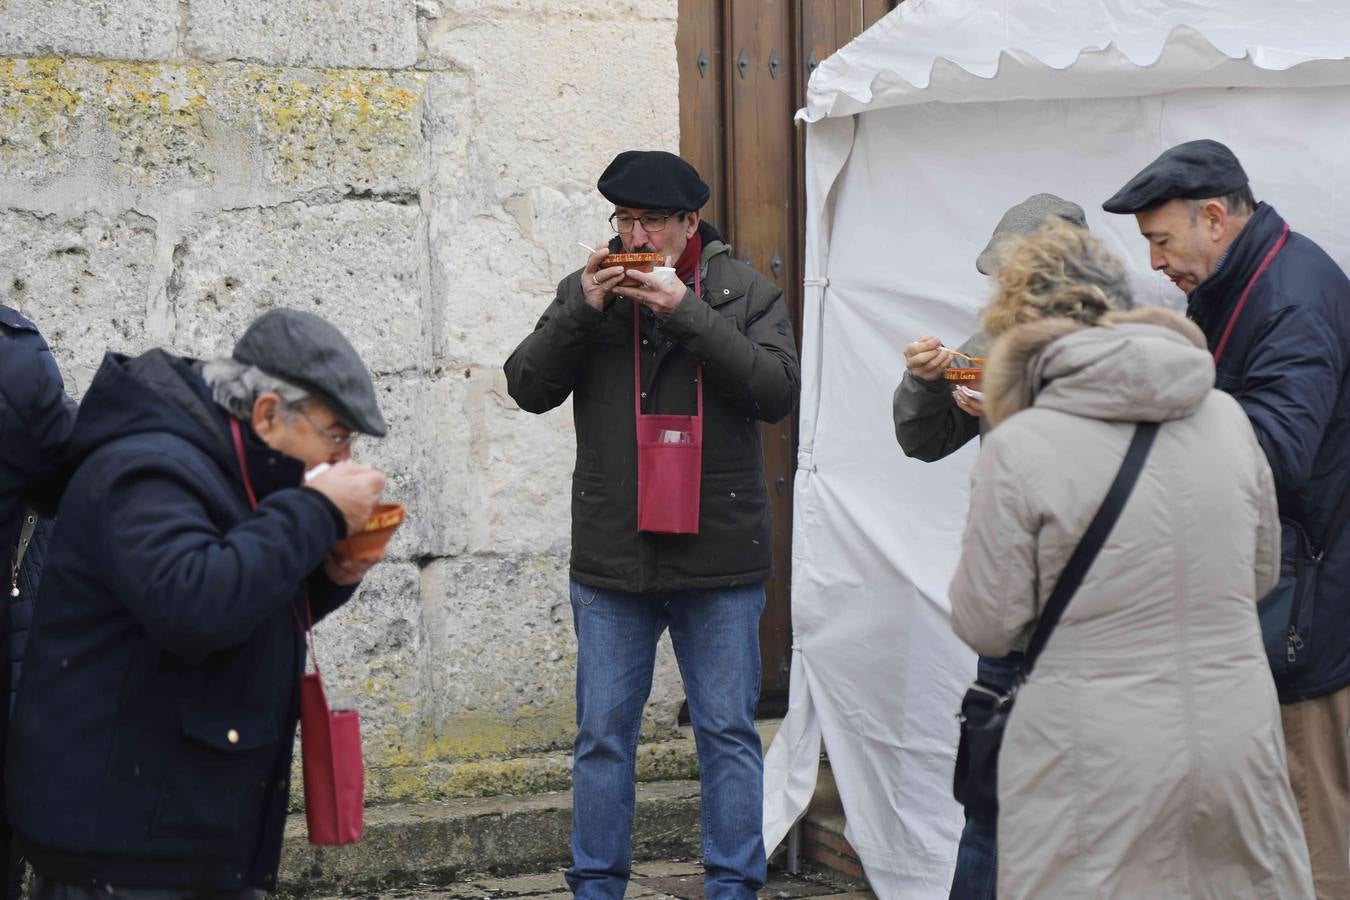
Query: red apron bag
x=670, y=459
x=330, y=740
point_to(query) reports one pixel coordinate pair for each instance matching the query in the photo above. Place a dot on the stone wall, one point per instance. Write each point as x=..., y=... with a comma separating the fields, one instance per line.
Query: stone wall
x=418, y=173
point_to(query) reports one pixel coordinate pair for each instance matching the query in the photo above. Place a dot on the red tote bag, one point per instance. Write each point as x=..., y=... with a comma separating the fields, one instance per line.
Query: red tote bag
x=334, y=772
x=330, y=740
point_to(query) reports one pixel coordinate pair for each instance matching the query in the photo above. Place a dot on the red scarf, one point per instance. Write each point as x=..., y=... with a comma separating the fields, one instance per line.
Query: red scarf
x=686, y=267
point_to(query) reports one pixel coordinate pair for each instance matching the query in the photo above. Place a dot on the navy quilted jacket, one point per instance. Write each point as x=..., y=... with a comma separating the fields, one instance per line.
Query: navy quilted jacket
x=1287, y=361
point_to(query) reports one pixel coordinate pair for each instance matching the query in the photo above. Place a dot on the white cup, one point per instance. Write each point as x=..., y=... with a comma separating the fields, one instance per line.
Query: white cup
x=663, y=274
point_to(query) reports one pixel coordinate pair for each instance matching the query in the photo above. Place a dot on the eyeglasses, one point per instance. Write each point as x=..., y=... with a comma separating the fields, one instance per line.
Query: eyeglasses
x=338, y=441
x=622, y=223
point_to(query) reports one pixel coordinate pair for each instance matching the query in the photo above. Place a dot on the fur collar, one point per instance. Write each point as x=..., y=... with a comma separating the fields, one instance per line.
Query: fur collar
x=1012, y=374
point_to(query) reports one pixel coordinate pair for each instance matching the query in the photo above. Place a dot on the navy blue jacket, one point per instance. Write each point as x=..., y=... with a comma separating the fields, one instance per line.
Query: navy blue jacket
x=151, y=739
x=35, y=421
x=1287, y=362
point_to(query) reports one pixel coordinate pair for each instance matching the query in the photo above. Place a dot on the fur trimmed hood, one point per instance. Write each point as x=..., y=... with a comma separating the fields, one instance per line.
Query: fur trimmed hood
x=1145, y=364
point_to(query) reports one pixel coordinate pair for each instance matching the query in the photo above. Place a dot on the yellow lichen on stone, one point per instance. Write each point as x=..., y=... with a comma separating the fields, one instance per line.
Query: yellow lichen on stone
x=472, y=737
x=155, y=112
x=37, y=107
x=359, y=117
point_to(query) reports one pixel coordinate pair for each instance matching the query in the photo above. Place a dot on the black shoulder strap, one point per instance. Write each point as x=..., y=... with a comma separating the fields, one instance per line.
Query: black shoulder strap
x=1092, y=540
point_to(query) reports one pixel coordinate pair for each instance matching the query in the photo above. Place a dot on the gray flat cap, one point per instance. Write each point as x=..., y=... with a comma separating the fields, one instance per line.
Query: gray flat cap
x=1024, y=218
x=1195, y=170
x=303, y=349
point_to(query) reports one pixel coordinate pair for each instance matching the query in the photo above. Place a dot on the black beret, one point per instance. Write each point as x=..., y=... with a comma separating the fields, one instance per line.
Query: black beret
x=303, y=349
x=1195, y=170
x=653, y=179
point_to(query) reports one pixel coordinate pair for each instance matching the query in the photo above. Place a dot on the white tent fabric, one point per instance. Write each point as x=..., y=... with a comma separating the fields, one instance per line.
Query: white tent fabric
x=920, y=134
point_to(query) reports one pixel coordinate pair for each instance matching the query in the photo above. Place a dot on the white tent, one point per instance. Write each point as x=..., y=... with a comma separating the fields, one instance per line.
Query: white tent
x=920, y=134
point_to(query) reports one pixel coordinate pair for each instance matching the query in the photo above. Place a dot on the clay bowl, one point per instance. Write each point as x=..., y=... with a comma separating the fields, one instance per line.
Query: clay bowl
x=643, y=262
x=970, y=377
x=369, y=543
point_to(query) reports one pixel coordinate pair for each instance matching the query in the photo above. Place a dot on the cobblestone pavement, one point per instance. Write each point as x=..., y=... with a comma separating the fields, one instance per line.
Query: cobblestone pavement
x=667, y=880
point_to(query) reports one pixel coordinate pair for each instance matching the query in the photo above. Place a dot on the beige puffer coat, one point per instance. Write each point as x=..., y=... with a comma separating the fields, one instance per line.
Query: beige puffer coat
x=1144, y=757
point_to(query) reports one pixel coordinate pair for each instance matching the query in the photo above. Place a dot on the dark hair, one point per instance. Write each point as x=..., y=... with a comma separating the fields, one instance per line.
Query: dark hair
x=1238, y=202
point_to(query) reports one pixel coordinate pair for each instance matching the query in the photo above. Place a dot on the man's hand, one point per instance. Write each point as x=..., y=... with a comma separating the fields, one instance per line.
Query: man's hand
x=346, y=572
x=969, y=405
x=596, y=284
x=353, y=488
x=662, y=297
x=927, y=359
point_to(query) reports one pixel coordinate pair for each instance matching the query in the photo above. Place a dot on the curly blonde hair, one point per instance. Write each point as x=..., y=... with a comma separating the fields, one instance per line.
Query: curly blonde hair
x=1057, y=271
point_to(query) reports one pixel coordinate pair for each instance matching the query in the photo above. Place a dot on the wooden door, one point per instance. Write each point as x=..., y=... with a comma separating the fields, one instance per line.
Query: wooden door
x=743, y=68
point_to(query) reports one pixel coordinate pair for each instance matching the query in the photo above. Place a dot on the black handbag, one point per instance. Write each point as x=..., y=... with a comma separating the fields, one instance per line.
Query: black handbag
x=984, y=712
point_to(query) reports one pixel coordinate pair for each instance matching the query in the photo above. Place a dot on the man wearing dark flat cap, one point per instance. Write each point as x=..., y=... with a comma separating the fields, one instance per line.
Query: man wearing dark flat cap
x=714, y=338
x=932, y=421
x=150, y=748
x=1276, y=311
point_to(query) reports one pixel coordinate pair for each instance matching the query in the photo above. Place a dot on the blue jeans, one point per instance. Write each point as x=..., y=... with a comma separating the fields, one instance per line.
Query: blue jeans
x=977, y=856
x=715, y=634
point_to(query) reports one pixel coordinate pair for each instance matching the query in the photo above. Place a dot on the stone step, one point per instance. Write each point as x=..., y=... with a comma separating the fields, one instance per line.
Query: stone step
x=436, y=843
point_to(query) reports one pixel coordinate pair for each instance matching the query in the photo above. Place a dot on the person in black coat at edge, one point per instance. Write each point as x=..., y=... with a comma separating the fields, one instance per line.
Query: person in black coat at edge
x=150, y=748
x=36, y=417
x=1275, y=309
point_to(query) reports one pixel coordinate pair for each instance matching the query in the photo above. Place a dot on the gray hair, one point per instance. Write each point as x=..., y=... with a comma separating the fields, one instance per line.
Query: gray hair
x=236, y=386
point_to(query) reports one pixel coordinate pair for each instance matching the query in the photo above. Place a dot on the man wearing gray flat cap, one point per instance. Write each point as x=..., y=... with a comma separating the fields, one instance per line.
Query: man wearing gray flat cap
x=150, y=751
x=1275, y=309
x=932, y=421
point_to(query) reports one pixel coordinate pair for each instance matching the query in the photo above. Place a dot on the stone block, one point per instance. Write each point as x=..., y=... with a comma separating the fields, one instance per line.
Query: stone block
x=372, y=653
x=509, y=202
x=114, y=29
x=551, y=115
x=158, y=121
x=85, y=280
x=519, y=498
x=337, y=128
x=130, y=134
x=355, y=263
x=500, y=655
x=45, y=113
x=379, y=34
x=608, y=10
x=505, y=273
x=425, y=458
x=503, y=658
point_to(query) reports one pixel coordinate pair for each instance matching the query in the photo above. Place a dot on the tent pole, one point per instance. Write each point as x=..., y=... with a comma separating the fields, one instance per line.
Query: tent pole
x=794, y=848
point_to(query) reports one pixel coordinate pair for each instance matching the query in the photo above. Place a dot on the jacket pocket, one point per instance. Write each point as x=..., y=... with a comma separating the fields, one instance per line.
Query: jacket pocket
x=604, y=527
x=734, y=538
x=1287, y=611
x=217, y=774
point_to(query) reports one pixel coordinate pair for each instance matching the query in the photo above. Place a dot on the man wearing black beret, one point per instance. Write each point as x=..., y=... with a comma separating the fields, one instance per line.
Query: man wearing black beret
x=150, y=749
x=670, y=378
x=1276, y=311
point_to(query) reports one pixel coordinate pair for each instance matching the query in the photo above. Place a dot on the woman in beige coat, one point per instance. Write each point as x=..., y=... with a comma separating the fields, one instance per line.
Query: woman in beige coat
x=1144, y=756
